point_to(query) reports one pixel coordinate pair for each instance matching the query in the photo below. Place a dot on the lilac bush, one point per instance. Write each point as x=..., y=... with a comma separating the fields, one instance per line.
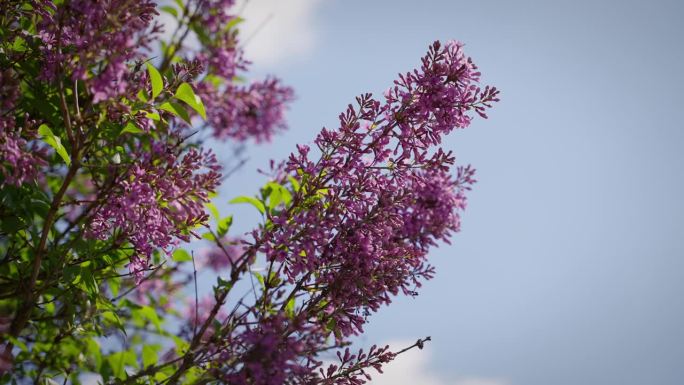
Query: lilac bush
x=104, y=180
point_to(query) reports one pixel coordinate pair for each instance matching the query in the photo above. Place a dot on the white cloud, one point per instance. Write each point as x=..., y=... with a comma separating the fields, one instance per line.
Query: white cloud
x=278, y=31
x=412, y=368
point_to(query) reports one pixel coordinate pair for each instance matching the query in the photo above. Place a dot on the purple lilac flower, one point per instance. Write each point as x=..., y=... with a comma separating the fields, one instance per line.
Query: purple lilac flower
x=235, y=110
x=256, y=111
x=223, y=256
x=269, y=353
x=158, y=202
x=369, y=202
x=20, y=161
x=94, y=41
x=383, y=192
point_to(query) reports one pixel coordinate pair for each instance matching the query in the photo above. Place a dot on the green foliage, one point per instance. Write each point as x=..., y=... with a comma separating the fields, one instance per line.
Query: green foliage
x=54, y=142
x=187, y=95
x=155, y=80
x=259, y=205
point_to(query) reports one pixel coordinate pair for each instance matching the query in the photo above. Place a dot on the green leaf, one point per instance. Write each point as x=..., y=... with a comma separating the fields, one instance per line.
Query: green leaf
x=251, y=200
x=259, y=278
x=153, y=115
x=176, y=109
x=118, y=361
x=155, y=79
x=294, y=182
x=170, y=10
x=114, y=285
x=55, y=142
x=181, y=255
x=149, y=354
x=233, y=22
x=277, y=194
x=19, y=44
x=181, y=345
x=114, y=319
x=132, y=128
x=222, y=283
x=290, y=307
x=94, y=353
x=148, y=313
x=89, y=284
x=21, y=345
x=186, y=94
x=224, y=225
x=141, y=95
x=213, y=210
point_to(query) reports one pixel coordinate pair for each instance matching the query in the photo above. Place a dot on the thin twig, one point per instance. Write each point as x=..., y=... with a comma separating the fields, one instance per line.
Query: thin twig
x=194, y=274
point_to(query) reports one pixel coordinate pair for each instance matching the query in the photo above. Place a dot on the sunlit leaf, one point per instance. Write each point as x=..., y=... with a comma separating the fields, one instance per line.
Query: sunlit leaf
x=176, y=109
x=170, y=10
x=181, y=255
x=55, y=142
x=155, y=79
x=132, y=128
x=187, y=95
x=252, y=201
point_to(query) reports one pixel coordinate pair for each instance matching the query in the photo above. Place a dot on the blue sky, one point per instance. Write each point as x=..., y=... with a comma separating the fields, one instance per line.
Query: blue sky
x=570, y=264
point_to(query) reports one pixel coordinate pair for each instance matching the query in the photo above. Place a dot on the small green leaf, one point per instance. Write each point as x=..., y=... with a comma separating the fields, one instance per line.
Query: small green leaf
x=259, y=278
x=251, y=200
x=213, y=210
x=176, y=109
x=233, y=22
x=132, y=128
x=222, y=283
x=155, y=79
x=290, y=307
x=118, y=361
x=89, y=284
x=186, y=94
x=277, y=194
x=18, y=343
x=55, y=142
x=294, y=182
x=224, y=225
x=114, y=285
x=170, y=10
x=93, y=350
x=114, y=320
x=151, y=315
x=181, y=255
x=149, y=354
x=19, y=44
x=153, y=115
x=141, y=95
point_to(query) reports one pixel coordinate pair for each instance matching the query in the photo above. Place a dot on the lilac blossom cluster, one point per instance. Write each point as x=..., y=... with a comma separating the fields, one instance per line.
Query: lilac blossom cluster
x=224, y=255
x=380, y=195
x=237, y=111
x=363, y=216
x=274, y=351
x=93, y=41
x=157, y=202
x=215, y=14
x=20, y=161
x=255, y=111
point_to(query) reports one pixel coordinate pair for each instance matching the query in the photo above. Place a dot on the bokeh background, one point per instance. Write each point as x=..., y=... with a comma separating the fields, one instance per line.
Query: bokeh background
x=570, y=264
